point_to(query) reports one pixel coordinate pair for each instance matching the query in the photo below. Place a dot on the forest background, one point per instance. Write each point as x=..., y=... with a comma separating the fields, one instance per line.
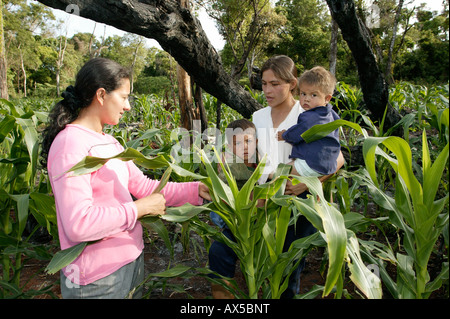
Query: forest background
x=410, y=42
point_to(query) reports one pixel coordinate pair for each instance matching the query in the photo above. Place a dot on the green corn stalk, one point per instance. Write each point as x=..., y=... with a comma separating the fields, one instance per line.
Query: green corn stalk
x=259, y=231
x=19, y=149
x=415, y=209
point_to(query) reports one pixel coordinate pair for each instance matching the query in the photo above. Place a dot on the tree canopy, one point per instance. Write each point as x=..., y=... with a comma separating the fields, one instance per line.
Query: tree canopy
x=254, y=30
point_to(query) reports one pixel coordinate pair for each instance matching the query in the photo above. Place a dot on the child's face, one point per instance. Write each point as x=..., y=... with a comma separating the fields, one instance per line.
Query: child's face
x=311, y=96
x=244, y=145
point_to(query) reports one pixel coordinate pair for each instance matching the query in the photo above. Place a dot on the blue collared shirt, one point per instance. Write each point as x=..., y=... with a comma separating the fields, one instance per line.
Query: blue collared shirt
x=320, y=155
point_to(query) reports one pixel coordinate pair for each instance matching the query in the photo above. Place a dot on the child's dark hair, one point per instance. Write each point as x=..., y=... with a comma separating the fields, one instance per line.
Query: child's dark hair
x=238, y=124
x=95, y=74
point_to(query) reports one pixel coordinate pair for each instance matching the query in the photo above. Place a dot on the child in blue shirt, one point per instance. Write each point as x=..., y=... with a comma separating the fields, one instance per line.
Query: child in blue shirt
x=317, y=158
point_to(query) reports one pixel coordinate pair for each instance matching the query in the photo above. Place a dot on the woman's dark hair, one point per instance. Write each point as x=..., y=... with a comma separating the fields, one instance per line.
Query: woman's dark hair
x=95, y=74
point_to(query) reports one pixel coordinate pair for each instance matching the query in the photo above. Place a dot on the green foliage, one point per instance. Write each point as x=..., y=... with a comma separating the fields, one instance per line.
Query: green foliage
x=390, y=214
x=152, y=85
x=416, y=211
x=306, y=35
x=429, y=62
x=25, y=191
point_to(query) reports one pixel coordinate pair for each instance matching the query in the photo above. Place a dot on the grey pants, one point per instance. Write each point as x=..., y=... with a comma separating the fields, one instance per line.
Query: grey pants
x=114, y=286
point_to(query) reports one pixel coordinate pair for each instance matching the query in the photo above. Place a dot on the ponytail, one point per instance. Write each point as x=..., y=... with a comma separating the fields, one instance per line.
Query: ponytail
x=64, y=112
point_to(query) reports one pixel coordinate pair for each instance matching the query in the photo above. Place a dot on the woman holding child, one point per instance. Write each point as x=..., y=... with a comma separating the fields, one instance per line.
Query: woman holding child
x=279, y=83
x=280, y=86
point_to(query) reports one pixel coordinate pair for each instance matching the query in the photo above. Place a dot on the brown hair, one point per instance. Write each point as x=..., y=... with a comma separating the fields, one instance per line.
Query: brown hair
x=238, y=124
x=283, y=67
x=320, y=77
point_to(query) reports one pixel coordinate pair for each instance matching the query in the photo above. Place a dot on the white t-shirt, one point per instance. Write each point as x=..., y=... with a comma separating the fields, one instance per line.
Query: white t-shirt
x=277, y=151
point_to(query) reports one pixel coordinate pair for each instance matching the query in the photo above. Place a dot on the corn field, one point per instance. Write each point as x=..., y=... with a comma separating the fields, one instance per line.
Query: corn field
x=380, y=221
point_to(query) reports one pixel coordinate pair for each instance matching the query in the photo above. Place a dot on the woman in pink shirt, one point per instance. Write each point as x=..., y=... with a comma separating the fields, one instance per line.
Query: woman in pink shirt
x=99, y=206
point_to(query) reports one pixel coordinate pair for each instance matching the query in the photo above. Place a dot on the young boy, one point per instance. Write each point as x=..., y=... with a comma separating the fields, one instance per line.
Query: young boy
x=242, y=159
x=319, y=157
x=240, y=155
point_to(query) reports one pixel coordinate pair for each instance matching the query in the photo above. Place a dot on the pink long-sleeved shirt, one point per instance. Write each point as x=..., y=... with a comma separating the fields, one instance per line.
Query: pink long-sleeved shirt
x=99, y=206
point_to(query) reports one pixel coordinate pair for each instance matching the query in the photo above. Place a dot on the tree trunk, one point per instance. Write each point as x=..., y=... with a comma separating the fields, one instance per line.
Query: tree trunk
x=186, y=101
x=185, y=98
x=24, y=72
x=179, y=33
x=333, y=46
x=133, y=64
x=3, y=63
x=388, y=71
x=60, y=63
x=373, y=84
x=91, y=41
x=199, y=106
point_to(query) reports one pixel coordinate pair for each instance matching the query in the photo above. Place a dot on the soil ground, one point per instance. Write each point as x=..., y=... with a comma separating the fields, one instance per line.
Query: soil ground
x=158, y=259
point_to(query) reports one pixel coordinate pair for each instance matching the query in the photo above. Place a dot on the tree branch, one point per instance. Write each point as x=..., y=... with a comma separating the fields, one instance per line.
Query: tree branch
x=178, y=32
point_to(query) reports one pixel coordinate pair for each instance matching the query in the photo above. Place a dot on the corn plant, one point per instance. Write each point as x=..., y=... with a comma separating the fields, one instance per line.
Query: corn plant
x=426, y=107
x=259, y=231
x=348, y=101
x=414, y=209
x=24, y=191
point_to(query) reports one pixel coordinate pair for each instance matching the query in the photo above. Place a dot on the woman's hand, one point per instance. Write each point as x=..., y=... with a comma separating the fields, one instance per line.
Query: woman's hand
x=295, y=189
x=154, y=204
x=301, y=187
x=280, y=135
x=203, y=191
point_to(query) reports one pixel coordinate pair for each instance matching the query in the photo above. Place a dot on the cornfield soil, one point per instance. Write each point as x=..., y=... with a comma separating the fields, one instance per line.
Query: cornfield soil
x=157, y=259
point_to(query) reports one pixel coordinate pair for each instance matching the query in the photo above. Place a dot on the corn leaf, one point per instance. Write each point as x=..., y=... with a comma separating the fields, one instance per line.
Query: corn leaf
x=6, y=126
x=432, y=173
x=220, y=191
x=183, y=213
x=243, y=197
x=22, y=209
x=164, y=179
x=90, y=163
x=175, y=271
x=282, y=223
x=333, y=227
x=156, y=225
x=184, y=172
x=321, y=130
x=65, y=257
x=361, y=276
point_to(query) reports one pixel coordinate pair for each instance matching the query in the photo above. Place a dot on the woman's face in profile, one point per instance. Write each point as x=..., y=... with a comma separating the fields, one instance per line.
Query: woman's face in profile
x=116, y=103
